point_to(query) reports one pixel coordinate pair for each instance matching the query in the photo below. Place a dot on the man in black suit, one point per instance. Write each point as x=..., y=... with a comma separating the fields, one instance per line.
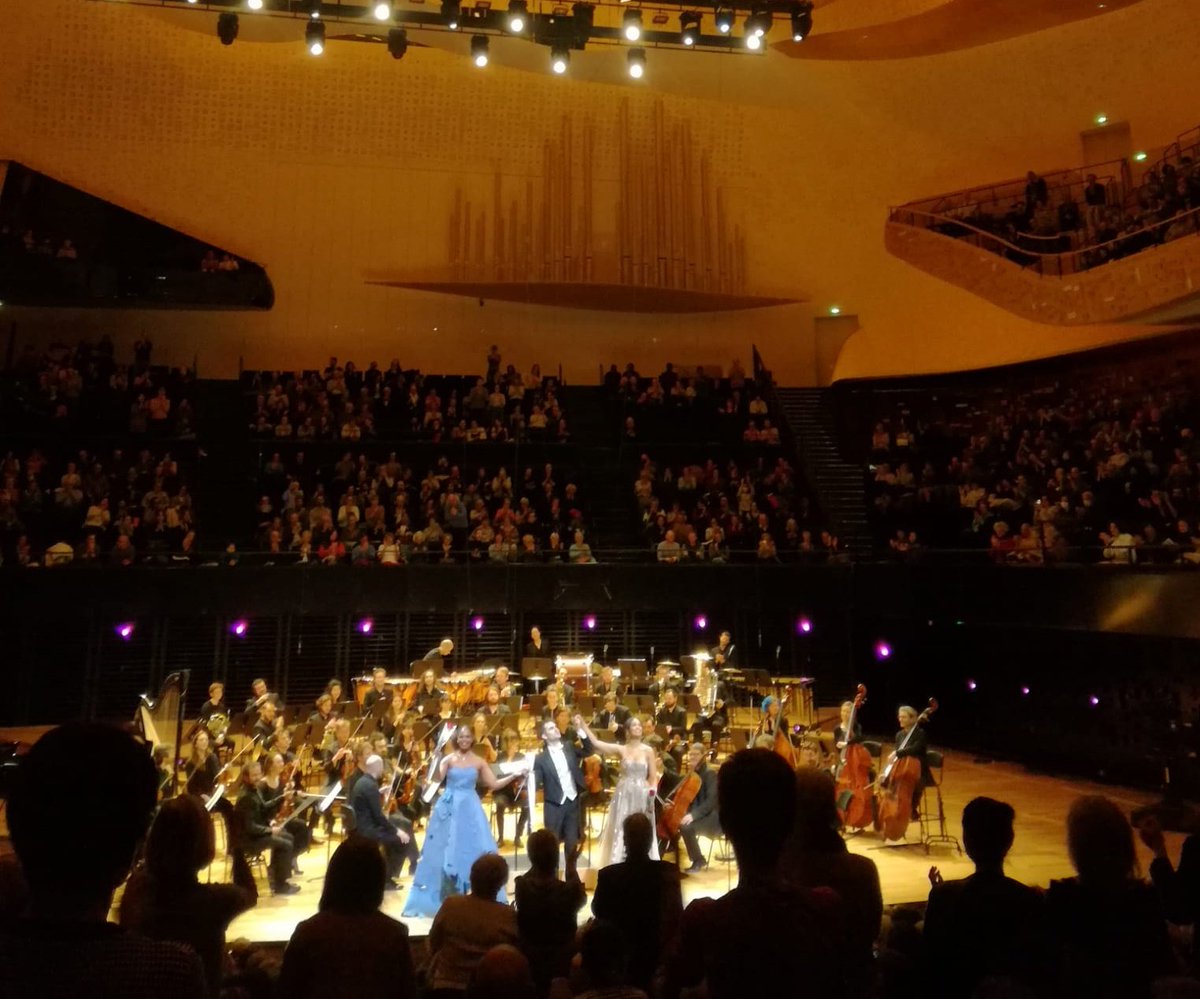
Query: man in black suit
x=714, y=715
x=379, y=692
x=607, y=684
x=556, y=768
x=394, y=835
x=672, y=713
x=611, y=718
x=259, y=830
x=701, y=818
x=643, y=897
x=723, y=653
x=261, y=696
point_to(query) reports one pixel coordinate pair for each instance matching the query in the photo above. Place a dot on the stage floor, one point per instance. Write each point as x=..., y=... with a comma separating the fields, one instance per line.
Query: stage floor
x=1038, y=855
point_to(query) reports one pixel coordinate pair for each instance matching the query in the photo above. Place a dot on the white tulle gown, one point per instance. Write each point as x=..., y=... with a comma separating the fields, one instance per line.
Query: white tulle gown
x=632, y=794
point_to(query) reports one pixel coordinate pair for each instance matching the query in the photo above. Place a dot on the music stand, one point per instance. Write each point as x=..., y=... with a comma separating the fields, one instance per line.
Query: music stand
x=537, y=670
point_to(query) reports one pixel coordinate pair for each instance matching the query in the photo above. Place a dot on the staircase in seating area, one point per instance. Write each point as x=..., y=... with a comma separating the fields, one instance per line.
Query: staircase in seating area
x=839, y=484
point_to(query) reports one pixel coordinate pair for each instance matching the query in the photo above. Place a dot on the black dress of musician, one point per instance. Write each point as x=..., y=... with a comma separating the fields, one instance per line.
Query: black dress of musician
x=538, y=646
x=429, y=696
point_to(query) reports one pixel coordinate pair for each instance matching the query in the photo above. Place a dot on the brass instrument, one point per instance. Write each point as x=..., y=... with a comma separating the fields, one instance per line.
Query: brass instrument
x=217, y=725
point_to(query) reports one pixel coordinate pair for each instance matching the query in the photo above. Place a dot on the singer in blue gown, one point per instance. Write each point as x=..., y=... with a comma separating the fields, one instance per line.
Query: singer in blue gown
x=458, y=833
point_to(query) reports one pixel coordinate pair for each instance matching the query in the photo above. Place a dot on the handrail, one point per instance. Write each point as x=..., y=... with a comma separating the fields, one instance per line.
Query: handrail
x=1040, y=261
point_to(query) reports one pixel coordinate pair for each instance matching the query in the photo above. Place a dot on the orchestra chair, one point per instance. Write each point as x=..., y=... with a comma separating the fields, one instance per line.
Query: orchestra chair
x=719, y=845
x=257, y=860
x=928, y=823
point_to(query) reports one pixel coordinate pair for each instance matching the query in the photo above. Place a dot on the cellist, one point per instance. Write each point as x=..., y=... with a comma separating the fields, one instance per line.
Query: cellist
x=911, y=740
x=701, y=818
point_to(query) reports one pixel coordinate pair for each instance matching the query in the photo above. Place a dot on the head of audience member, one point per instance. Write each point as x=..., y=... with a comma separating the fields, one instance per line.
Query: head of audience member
x=604, y=954
x=542, y=848
x=988, y=832
x=64, y=880
x=180, y=843
x=502, y=973
x=747, y=779
x=639, y=835
x=1100, y=841
x=816, y=824
x=355, y=879
x=488, y=875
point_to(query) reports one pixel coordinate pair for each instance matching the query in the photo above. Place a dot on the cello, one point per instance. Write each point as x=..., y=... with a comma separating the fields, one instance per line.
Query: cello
x=900, y=778
x=853, y=774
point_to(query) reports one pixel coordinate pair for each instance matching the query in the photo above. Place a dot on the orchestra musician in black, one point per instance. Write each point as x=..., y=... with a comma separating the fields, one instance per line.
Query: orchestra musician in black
x=724, y=652
x=842, y=739
x=672, y=714
x=214, y=714
x=607, y=684
x=714, y=713
x=538, y=647
x=259, y=697
x=566, y=693
x=259, y=831
x=611, y=718
x=380, y=692
x=440, y=655
x=429, y=696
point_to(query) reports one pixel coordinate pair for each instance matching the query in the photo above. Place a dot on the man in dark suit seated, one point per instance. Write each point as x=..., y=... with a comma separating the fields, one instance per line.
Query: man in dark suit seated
x=557, y=771
x=643, y=897
x=380, y=691
x=672, y=714
x=701, y=818
x=611, y=718
x=393, y=834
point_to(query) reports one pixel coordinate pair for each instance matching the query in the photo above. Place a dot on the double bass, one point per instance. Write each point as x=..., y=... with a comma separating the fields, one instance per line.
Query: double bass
x=853, y=774
x=900, y=778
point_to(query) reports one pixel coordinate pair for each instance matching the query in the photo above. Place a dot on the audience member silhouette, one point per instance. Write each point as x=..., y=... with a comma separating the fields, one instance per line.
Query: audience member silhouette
x=986, y=926
x=503, y=973
x=765, y=924
x=349, y=948
x=165, y=900
x=1178, y=888
x=641, y=896
x=603, y=966
x=467, y=926
x=64, y=946
x=1105, y=927
x=815, y=856
x=547, y=909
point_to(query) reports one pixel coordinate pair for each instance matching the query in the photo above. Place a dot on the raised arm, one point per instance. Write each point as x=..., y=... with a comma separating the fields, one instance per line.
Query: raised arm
x=607, y=748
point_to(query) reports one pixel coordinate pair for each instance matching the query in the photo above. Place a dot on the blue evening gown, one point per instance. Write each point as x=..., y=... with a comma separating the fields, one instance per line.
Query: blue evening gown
x=458, y=834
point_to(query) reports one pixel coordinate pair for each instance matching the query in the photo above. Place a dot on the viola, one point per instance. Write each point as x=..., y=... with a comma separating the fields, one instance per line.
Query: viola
x=899, y=780
x=853, y=774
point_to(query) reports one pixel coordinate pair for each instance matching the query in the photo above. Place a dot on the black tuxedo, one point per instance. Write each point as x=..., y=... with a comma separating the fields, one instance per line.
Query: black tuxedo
x=730, y=654
x=254, y=813
x=703, y=811
x=603, y=720
x=674, y=718
x=560, y=814
x=370, y=821
x=373, y=697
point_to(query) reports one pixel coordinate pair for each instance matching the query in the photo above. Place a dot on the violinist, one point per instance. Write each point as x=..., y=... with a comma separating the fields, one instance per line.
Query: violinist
x=842, y=738
x=511, y=795
x=911, y=740
x=379, y=746
x=214, y=715
x=324, y=715
x=487, y=738
x=270, y=720
x=445, y=718
x=429, y=695
x=380, y=691
x=611, y=718
x=701, y=818
x=392, y=724
x=259, y=830
x=202, y=767
x=553, y=703
x=280, y=741
x=360, y=749
x=672, y=714
x=492, y=704
x=334, y=689
x=279, y=792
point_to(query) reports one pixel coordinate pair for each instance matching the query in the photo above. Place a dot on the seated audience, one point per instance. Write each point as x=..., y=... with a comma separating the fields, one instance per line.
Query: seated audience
x=603, y=971
x=467, y=926
x=502, y=973
x=546, y=910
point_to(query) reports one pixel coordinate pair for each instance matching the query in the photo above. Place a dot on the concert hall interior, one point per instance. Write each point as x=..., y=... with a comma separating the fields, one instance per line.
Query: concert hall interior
x=621, y=498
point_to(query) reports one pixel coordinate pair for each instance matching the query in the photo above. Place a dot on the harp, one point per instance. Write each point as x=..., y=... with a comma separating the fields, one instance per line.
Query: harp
x=160, y=722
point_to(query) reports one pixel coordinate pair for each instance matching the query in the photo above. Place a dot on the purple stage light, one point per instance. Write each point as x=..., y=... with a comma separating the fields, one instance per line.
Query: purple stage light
x=701, y=622
x=366, y=625
x=477, y=623
x=589, y=622
x=124, y=630
x=1025, y=691
x=239, y=628
x=1093, y=700
x=803, y=625
x=882, y=650
x=971, y=685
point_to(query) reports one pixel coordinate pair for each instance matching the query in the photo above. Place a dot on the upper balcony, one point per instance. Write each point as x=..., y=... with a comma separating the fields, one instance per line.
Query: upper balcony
x=1136, y=260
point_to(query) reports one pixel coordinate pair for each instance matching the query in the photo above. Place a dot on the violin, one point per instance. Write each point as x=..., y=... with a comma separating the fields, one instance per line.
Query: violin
x=853, y=774
x=899, y=780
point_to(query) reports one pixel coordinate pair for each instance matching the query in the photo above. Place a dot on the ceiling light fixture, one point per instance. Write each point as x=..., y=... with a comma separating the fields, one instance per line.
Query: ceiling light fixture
x=479, y=50
x=637, y=63
x=383, y=12
x=802, y=21
x=631, y=24
x=724, y=20
x=254, y=4
x=397, y=42
x=560, y=59
x=451, y=13
x=227, y=28
x=689, y=27
x=517, y=12
x=314, y=37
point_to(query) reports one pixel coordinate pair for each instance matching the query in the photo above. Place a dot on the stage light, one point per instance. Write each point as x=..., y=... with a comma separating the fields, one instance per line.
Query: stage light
x=589, y=622
x=1093, y=700
x=397, y=42
x=517, y=12
x=366, y=625
x=1025, y=691
x=1139, y=157
x=314, y=9
x=477, y=623
x=723, y=20
x=689, y=27
x=314, y=37
x=560, y=59
x=254, y=4
x=835, y=310
x=753, y=41
x=971, y=685
x=802, y=21
x=451, y=12
x=227, y=28
x=383, y=12
x=637, y=63
x=759, y=22
x=1102, y=119
x=479, y=50
x=124, y=630
x=239, y=628
x=584, y=15
x=804, y=625
x=882, y=650
x=631, y=24
x=700, y=622
x=193, y=2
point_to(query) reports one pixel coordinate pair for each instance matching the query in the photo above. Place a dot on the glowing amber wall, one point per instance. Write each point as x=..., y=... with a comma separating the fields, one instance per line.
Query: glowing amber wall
x=326, y=169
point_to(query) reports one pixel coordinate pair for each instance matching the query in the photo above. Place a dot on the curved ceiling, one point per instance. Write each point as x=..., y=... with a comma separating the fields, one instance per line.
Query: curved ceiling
x=930, y=27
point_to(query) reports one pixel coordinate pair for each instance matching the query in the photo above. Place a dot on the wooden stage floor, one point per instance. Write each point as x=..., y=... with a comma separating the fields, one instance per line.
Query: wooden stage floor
x=1038, y=855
